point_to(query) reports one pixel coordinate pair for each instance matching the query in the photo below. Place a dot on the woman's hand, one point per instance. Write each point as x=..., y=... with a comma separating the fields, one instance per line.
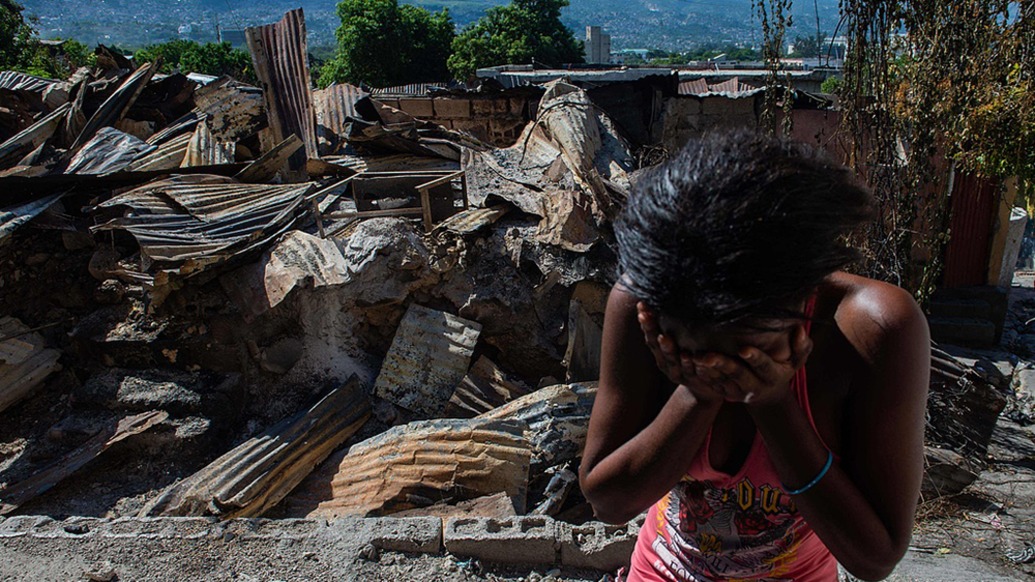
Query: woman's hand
x=677, y=366
x=755, y=378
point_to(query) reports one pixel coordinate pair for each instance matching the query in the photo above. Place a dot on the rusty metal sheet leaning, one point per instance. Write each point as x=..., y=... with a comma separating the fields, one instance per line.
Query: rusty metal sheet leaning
x=421, y=463
x=334, y=106
x=258, y=473
x=32, y=137
x=113, y=108
x=110, y=150
x=14, y=496
x=557, y=418
x=485, y=387
x=297, y=259
x=429, y=357
x=13, y=217
x=281, y=58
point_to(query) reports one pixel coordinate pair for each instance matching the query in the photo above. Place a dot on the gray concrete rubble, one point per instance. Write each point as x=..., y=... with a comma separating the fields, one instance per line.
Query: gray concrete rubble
x=272, y=333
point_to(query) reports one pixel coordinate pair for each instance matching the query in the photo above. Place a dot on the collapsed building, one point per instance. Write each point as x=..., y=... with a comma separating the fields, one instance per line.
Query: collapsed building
x=237, y=301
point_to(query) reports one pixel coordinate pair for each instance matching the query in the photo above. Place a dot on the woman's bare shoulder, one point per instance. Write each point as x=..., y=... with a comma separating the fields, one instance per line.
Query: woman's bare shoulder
x=878, y=318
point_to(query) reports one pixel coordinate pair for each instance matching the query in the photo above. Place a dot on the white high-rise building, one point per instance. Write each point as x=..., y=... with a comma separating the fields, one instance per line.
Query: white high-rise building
x=598, y=46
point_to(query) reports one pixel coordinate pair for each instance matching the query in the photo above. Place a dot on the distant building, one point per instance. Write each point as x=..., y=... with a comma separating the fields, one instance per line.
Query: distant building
x=234, y=37
x=185, y=30
x=598, y=46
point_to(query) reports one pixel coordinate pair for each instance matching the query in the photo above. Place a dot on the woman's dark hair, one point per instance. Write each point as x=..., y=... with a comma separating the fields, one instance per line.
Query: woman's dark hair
x=738, y=226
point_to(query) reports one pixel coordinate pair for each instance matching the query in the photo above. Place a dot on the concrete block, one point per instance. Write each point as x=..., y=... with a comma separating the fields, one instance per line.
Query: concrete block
x=484, y=107
x=523, y=539
x=21, y=526
x=418, y=107
x=452, y=108
x=407, y=534
x=597, y=545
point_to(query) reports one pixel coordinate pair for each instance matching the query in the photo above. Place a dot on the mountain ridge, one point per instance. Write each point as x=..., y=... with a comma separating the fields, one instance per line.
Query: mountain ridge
x=662, y=24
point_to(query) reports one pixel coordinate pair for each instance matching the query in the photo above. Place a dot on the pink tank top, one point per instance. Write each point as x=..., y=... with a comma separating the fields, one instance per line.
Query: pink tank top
x=716, y=526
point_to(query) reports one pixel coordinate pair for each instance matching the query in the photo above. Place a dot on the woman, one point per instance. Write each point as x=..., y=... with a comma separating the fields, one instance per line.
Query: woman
x=765, y=406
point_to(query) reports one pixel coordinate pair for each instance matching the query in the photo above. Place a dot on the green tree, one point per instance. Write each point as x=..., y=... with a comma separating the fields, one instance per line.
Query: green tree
x=188, y=56
x=19, y=47
x=521, y=32
x=381, y=43
x=808, y=46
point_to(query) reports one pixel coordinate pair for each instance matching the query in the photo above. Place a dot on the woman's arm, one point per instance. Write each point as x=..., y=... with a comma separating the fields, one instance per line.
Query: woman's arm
x=641, y=440
x=863, y=508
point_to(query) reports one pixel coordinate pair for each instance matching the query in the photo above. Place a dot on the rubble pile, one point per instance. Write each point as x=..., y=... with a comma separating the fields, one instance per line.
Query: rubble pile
x=229, y=300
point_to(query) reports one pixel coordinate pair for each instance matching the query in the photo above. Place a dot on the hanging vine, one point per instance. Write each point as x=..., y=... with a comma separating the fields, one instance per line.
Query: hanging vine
x=927, y=81
x=775, y=18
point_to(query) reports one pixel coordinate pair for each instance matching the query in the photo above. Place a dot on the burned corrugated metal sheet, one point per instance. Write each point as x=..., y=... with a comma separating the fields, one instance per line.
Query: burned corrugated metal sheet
x=558, y=420
x=419, y=464
x=54, y=93
x=281, y=59
x=472, y=219
x=109, y=151
x=484, y=388
x=204, y=150
x=234, y=110
x=190, y=223
x=25, y=361
x=428, y=358
x=168, y=156
x=334, y=106
x=32, y=137
x=393, y=163
x=270, y=163
x=732, y=88
x=12, y=217
x=258, y=473
x=112, y=110
x=412, y=89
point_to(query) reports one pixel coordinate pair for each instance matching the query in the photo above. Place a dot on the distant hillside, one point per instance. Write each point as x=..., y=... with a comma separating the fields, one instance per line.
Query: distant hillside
x=665, y=24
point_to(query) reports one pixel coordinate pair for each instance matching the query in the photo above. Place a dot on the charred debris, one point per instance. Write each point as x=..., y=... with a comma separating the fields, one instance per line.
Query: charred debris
x=228, y=300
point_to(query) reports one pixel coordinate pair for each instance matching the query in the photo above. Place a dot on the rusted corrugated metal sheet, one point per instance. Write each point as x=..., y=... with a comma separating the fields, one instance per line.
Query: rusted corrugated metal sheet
x=280, y=55
x=419, y=464
x=259, y=472
x=191, y=223
x=393, y=163
x=335, y=106
x=732, y=88
x=974, y=204
x=557, y=418
x=168, y=156
x=234, y=110
x=32, y=137
x=412, y=89
x=109, y=151
x=54, y=93
x=485, y=387
x=473, y=219
x=204, y=150
x=13, y=217
x=112, y=110
x=428, y=358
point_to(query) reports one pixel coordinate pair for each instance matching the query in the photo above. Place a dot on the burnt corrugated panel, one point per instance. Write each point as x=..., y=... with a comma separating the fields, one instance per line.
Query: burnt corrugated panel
x=205, y=222
x=411, y=89
x=259, y=472
x=419, y=464
x=113, y=108
x=109, y=151
x=280, y=55
x=168, y=156
x=54, y=93
x=558, y=420
x=12, y=217
x=428, y=358
x=335, y=104
x=31, y=137
x=693, y=87
x=204, y=150
x=234, y=111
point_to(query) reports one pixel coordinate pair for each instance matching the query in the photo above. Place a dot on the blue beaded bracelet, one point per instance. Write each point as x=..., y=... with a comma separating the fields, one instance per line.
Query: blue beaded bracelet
x=811, y=484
